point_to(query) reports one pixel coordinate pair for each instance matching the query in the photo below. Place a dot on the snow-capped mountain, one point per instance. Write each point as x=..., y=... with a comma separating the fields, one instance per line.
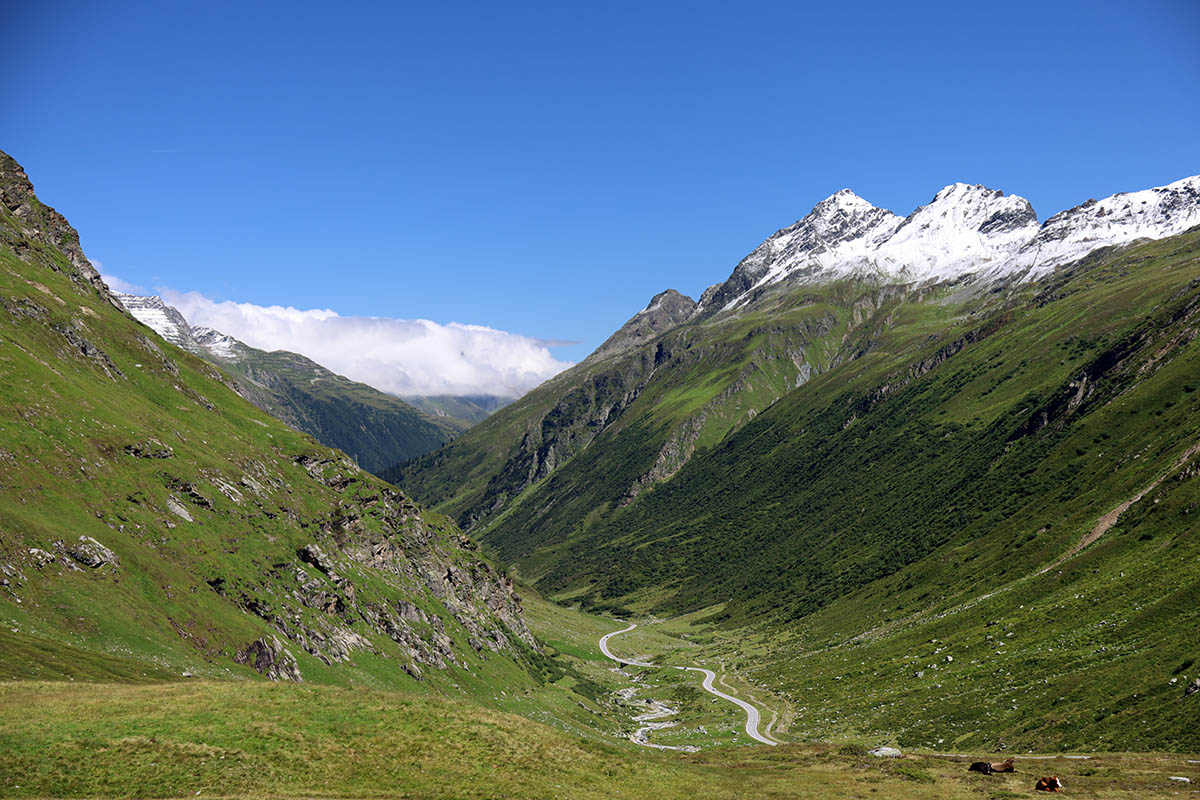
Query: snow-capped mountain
x=965, y=230
x=842, y=230
x=216, y=343
x=1119, y=219
x=168, y=323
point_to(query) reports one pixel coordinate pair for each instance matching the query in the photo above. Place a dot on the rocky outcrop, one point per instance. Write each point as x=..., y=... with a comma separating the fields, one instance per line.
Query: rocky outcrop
x=78, y=346
x=317, y=600
x=269, y=657
x=665, y=311
x=91, y=553
x=42, y=224
x=151, y=448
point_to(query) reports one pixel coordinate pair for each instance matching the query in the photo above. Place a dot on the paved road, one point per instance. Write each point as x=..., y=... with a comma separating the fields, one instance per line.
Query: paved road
x=752, y=715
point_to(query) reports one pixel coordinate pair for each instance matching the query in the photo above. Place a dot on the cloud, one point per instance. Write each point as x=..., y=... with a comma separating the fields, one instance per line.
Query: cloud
x=401, y=356
x=115, y=283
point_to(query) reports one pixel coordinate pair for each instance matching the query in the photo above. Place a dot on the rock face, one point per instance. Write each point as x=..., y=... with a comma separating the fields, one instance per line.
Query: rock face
x=315, y=600
x=44, y=225
x=92, y=554
x=270, y=658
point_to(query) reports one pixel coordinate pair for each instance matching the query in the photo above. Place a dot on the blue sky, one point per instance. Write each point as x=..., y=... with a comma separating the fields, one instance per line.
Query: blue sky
x=544, y=169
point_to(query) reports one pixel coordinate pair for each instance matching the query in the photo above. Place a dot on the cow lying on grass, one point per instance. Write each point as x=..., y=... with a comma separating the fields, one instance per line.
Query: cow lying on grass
x=1050, y=784
x=988, y=768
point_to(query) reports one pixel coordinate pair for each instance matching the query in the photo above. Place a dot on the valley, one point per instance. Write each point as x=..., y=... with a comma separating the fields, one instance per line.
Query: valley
x=825, y=508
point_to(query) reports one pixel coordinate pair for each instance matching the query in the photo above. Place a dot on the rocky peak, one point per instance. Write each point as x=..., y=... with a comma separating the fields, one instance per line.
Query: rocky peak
x=963, y=228
x=842, y=227
x=42, y=224
x=169, y=323
x=666, y=310
x=216, y=343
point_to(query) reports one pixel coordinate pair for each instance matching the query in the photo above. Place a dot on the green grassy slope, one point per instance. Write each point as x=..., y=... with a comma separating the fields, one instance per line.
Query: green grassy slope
x=654, y=405
x=241, y=739
x=952, y=447
x=1022, y=426
x=153, y=522
x=376, y=429
x=225, y=740
x=899, y=509
x=460, y=411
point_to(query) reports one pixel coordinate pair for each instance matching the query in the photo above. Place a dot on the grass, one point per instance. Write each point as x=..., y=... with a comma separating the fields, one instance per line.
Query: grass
x=230, y=739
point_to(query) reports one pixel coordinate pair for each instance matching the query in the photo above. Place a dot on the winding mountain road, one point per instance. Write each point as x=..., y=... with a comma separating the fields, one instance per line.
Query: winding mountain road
x=752, y=715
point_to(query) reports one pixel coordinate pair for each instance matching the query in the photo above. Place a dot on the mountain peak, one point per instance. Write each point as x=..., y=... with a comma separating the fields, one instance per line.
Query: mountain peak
x=964, y=227
x=958, y=189
x=843, y=199
x=666, y=310
x=842, y=227
x=153, y=312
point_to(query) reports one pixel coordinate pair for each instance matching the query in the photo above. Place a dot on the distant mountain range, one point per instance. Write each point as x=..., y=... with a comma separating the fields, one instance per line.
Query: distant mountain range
x=459, y=410
x=379, y=430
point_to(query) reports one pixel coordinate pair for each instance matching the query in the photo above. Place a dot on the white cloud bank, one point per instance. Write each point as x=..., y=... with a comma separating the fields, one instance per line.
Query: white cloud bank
x=406, y=357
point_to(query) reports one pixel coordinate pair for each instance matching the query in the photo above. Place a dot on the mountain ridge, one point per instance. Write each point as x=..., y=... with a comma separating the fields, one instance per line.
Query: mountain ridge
x=965, y=231
x=375, y=428
x=824, y=309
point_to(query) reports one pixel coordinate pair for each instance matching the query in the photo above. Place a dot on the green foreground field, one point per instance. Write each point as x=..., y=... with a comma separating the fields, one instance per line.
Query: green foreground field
x=257, y=739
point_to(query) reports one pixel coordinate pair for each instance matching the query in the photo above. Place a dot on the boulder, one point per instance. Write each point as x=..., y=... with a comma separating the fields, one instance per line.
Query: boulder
x=885, y=752
x=177, y=508
x=92, y=554
x=1192, y=688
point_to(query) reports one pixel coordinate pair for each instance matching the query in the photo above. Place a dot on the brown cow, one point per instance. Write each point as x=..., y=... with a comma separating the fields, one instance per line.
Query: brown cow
x=1050, y=784
x=1004, y=766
